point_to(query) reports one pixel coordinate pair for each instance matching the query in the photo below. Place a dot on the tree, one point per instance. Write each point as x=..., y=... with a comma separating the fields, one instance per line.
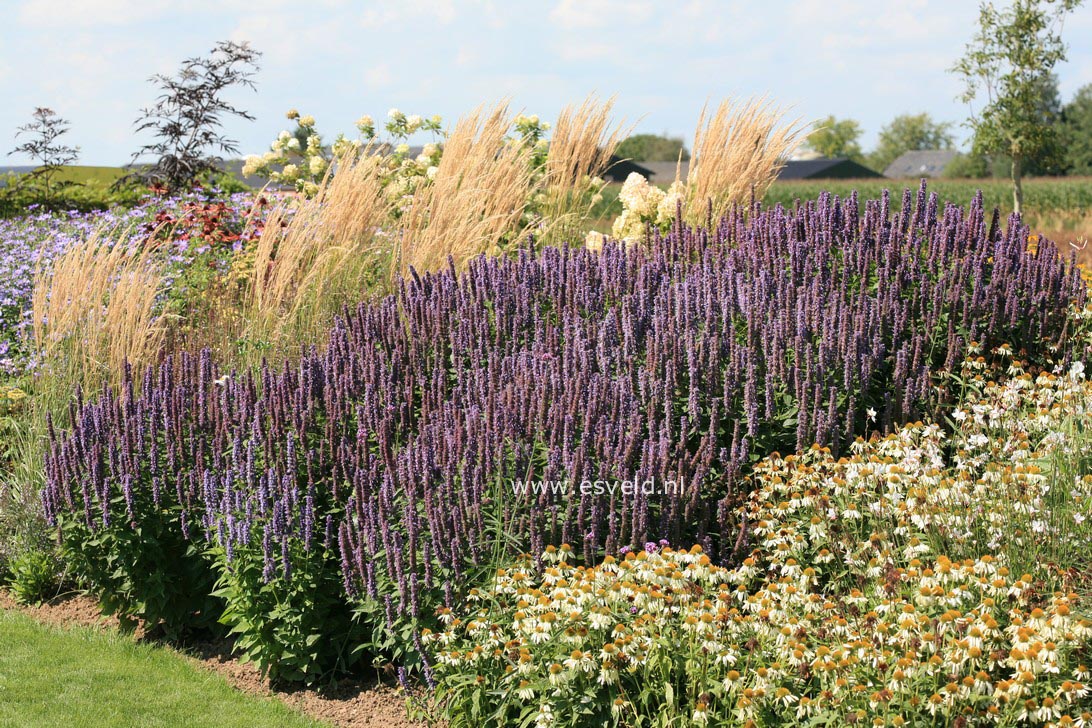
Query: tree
x=965, y=166
x=45, y=148
x=834, y=138
x=652, y=148
x=908, y=133
x=187, y=117
x=1076, y=132
x=1010, y=61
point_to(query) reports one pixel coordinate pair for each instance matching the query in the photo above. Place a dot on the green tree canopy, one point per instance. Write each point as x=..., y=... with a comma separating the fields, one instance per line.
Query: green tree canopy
x=652, y=148
x=1005, y=68
x=1076, y=132
x=907, y=133
x=836, y=138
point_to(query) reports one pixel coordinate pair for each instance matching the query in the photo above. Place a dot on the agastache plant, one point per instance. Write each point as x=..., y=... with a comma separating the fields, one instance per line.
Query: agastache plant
x=408, y=449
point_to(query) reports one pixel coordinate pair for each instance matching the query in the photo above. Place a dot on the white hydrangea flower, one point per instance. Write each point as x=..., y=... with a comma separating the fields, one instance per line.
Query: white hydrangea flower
x=669, y=205
x=252, y=165
x=594, y=241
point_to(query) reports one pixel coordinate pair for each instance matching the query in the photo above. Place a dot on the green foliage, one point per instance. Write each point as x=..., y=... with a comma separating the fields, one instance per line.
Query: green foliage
x=1076, y=132
x=33, y=576
x=652, y=148
x=225, y=182
x=145, y=571
x=23, y=530
x=295, y=627
x=910, y=132
x=837, y=138
x=968, y=166
x=42, y=143
x=1010, y=63
x=92, y=678
x=90, y=188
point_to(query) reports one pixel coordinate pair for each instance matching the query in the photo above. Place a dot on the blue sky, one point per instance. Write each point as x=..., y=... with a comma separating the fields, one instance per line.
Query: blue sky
x=337, y=59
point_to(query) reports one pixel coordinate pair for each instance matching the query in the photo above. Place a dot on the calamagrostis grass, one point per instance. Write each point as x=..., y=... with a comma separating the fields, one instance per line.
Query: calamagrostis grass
x=581, y=147
x=738, y=149
x=480, y=192
x=95, y=310
x=316, y=256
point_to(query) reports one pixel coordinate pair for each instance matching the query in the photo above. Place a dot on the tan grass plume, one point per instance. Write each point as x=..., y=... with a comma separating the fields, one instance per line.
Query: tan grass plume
x=315, y=256
x=739, y=149
x=582, y=145
x=477, y=198
x=95, y=309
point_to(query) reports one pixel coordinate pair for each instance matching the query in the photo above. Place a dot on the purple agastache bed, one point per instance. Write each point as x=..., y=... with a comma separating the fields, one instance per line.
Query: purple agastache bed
x=33, y=241
x=393, y=458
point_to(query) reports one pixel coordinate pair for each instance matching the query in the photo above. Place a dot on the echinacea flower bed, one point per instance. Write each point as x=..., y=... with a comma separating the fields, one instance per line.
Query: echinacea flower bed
x=337, y=502
x=879, y=588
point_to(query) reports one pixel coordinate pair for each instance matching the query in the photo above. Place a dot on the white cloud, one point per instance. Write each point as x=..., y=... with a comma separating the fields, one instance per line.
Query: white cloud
x=572, y=14
x=378, y=75
x=403, y=11
x=467, y=56
x=90, y=13
x=577, y=50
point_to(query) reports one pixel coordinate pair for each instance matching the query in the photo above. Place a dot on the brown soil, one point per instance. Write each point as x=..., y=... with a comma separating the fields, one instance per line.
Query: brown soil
x=351, y=704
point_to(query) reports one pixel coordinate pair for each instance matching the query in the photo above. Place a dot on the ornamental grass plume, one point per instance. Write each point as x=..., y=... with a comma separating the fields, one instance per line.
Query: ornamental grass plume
x=480, y=191
x=580, y=152
x=738, y=152
x=95, y=313
x=317, y=255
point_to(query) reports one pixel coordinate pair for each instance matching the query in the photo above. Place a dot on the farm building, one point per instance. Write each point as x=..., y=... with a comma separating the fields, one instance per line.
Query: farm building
x=920, y=163
x=796, y=169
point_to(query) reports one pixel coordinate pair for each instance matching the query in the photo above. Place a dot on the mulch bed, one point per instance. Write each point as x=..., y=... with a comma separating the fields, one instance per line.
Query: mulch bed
x=350, y=704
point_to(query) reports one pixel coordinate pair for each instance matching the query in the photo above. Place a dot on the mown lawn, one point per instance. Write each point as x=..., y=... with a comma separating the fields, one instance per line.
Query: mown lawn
x=85, y=677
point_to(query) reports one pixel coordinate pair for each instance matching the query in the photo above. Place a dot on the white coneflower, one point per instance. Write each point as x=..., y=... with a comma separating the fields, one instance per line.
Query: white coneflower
x=545, y=716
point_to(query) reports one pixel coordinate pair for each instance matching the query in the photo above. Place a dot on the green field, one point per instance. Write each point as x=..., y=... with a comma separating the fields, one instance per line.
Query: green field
x=91, y=175
x=1042, y=194
x=85, y=677
x=1058, y=207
